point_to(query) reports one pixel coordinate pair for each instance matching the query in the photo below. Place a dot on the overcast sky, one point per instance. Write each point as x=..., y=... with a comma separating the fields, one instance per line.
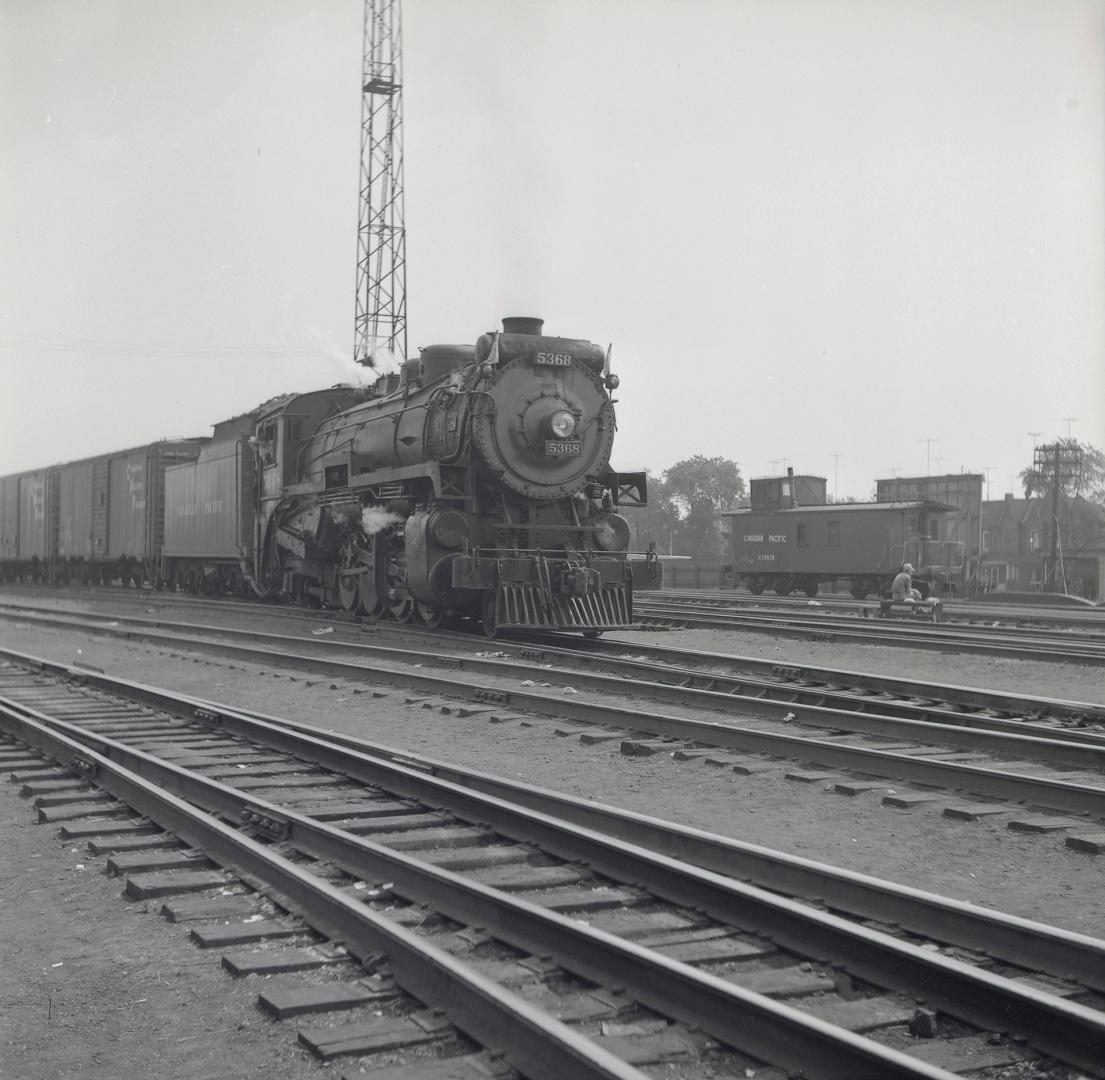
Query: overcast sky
x=809, y=228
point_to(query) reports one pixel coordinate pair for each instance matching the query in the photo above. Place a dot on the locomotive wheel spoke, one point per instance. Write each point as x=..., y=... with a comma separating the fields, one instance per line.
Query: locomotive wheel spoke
x=349, y=592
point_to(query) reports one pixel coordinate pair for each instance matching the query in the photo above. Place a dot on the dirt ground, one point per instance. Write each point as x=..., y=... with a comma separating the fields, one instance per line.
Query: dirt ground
x=130, y=989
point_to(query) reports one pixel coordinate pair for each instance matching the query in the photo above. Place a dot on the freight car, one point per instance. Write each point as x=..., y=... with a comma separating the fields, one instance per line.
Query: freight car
x=474, y=482
x=95, y=520
x=790, y=539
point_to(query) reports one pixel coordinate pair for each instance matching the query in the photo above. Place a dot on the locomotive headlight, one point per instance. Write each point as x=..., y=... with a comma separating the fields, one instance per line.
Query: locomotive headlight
x=562, y=423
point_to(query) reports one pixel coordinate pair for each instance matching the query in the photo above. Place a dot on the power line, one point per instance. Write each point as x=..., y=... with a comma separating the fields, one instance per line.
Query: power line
x=176, y=351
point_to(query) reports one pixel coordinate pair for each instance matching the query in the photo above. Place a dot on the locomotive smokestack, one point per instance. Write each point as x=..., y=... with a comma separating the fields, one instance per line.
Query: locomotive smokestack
x=523, y=324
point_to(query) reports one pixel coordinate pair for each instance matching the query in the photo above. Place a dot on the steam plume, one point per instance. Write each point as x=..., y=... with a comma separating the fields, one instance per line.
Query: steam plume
x=375, y=519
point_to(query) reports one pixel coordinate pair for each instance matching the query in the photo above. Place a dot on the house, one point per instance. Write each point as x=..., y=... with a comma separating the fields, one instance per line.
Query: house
x=1017, y=546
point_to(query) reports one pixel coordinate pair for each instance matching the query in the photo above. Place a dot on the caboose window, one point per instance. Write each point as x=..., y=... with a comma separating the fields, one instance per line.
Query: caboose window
x=833, y=537
x=801, y=539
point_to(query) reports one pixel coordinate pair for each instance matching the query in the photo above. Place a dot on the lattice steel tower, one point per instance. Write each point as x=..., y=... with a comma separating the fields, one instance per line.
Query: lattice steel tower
x=380, y=323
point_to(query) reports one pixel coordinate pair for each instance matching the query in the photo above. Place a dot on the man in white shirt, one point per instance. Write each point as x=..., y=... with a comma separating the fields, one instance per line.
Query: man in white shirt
x=902, y=586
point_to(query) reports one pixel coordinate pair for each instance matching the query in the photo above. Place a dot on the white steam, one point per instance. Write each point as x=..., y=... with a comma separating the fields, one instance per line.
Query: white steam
x=375, y=519
x=347, y=369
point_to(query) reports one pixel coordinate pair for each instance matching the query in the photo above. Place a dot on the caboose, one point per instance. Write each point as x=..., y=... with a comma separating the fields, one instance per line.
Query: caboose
x=790, y=538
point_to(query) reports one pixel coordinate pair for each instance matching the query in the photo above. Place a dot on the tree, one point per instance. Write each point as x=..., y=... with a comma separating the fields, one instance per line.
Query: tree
x=1069, y=479
x=657, y=523
x=698, y=489
x=1087, y=480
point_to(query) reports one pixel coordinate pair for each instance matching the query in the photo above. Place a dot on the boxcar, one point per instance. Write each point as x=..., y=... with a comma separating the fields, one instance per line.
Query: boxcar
x=207, y=527
x=28, y=524
x=9, y=520
x=91, y=520
x=82, y=518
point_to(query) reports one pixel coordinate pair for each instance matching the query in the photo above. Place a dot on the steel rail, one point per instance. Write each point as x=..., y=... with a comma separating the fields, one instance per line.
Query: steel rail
x=537, y=1044
x=745, y=1020
x=1061, y=795
x=1071, y=748
x=788, y=690
x=617, y=653
x=1065, y=1030
x=1094, y=635
x=1020, y=941
x=966, y=696
x=1015, y=635
x=955, y=609
x=879, y=631
x=749, y=694
x=882, y=631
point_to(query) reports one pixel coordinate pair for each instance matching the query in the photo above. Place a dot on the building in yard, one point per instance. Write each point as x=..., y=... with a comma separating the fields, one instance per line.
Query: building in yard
x=962, y=491
x=1017, y=544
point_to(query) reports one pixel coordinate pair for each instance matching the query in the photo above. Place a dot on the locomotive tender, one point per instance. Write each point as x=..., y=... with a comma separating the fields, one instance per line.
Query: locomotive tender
x=476, y=482
x=790, y=538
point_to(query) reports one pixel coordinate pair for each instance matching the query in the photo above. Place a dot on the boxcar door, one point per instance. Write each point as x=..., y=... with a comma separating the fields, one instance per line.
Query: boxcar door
x=100, y=474
x=32, y=516
x=9, y=518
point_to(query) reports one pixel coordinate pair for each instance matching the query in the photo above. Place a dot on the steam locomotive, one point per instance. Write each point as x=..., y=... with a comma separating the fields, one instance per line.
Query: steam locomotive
x=474, y=482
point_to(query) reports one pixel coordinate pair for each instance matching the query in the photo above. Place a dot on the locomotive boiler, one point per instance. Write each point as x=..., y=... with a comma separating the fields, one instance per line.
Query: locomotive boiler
x=476, y=482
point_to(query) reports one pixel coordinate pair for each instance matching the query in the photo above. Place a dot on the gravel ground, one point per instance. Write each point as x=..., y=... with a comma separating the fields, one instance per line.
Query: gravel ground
x=96, y=1021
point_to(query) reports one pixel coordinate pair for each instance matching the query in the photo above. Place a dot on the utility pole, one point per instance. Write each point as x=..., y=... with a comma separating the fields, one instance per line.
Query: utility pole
x=380, y=320
x=836, y=473
x=1060, y=465
x=1068, y=420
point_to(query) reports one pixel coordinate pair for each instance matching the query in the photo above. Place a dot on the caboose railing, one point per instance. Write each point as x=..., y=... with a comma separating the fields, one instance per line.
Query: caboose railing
x=943, y=555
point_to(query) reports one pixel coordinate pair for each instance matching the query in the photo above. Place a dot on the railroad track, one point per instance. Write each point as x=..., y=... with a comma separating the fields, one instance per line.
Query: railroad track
x=1055, y=768
x=1028, y=639
x=1020, y=642
x=560, y=934
x=955, y=611
x=640, y=660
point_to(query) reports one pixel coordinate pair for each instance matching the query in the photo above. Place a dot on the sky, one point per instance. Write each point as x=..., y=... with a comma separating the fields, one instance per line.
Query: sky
x=861, y=238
